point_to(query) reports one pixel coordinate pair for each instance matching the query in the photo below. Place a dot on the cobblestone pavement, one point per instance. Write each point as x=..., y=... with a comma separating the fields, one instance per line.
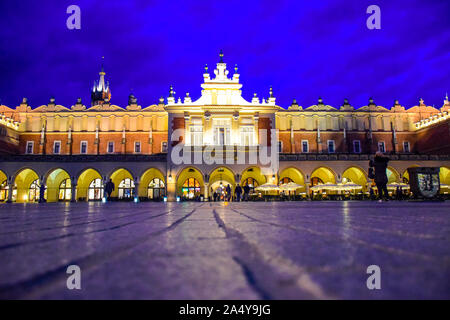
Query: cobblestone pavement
x=278, y=250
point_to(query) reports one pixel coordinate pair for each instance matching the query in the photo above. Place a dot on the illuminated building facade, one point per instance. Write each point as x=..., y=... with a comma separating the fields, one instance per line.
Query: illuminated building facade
x=65, y=154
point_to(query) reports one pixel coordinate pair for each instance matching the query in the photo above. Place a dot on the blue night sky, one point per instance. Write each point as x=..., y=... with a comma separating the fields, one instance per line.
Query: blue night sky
x=304, y=49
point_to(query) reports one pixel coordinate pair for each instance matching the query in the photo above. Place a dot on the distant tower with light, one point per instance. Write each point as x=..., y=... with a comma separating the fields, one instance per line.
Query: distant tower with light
x=100, y=92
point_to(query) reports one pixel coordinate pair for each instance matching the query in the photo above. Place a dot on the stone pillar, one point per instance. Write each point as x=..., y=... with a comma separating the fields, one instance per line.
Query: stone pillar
x=136, y=189
x=171, y=188
x=73, y=189
x=206, y=192
x=10, y=190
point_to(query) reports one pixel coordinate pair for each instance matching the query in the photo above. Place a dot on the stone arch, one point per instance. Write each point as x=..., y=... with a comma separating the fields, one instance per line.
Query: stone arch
x=222, y=175
x=123, y=188
x=85, y=178
x=444, y=175
x=355, y=175
x=146, y=178
x=184, y=176
x=54, y=180
x=323, y=174
x=392, y=175
x=294, y=174
x=405, y=175
x=22, y=181
x=255, y=173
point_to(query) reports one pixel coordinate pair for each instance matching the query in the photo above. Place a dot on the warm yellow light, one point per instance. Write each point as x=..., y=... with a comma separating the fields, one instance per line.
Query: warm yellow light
x=25, y=198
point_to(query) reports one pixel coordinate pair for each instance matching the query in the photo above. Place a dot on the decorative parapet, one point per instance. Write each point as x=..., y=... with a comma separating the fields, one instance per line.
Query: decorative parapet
x=435, y=118
x=9, y=122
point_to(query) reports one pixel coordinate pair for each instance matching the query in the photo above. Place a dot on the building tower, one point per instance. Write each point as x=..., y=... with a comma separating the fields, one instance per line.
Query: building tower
x=100, y=92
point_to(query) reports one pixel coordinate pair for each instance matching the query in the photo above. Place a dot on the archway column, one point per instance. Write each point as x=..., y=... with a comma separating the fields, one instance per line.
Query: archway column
x=171, y=188
x=73, y=197
x=10, y=189
x=136, y=189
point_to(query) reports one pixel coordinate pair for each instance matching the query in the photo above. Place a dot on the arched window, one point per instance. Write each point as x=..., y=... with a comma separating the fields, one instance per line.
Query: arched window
x=126, y=189
x=65, y=190
x=191, y=188
x=4, y=191
x=156, y=189
x=95, y=191
x=315, y=181
x=33, y=191
x=251, y=183
x=285, y=180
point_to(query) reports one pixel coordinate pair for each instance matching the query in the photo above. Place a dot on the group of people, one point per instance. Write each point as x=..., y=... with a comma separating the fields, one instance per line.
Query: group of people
x=225, y=194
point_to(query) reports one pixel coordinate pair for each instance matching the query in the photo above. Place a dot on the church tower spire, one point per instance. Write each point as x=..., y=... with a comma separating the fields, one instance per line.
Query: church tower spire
x=100, y=91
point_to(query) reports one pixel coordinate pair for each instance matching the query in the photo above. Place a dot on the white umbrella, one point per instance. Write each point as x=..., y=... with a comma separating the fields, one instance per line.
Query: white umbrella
x=291, y=186
x=267, y=187
x=349, y=186
x=326, y=186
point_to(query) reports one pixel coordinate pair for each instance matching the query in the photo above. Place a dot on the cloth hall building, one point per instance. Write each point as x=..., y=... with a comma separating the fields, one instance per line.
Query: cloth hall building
x=68, y=153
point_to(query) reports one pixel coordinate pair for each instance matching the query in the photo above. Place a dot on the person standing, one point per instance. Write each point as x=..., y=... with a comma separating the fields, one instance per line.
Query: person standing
x=380, y=163
x=238, y=192
x=228, y=191
x=109, y=188
x=246, y=192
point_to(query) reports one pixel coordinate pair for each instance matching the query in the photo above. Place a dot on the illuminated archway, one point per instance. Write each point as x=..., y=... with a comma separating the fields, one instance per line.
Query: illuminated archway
x=444, y=175
x=221, y=176
x=123, y=184
x=3, y=186
x=190, y=183
x=89, y=185
x=323, y=175
x=254, y=173
x=405, y=175
x=58, y=186
x=392, y=175
x=25, y=185
x=292, y=174
x=355, y=175
x=152, y=184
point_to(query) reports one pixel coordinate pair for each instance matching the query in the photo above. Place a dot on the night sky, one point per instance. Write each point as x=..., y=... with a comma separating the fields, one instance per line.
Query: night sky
x=304, y=50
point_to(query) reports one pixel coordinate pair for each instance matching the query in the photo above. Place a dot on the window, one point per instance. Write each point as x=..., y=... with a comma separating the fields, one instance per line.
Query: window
x=34, y=191
x=156, y=189
x=251, y=183
x=381, y=146
x=247, y=135
x=83, y=147
x=4, y=190
x=29, y=149
x=356, y=146
x=305, y=146
x=137, y=147
x=110, y=147
x=95, y=191
x=126, y=189
x=406, y=148
x=57, y=147
x=285, y=180
x=164, y=146
x=280, y=146
x=196, y=135
x=331, y=148
x=65, y=190
x=191, y=188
